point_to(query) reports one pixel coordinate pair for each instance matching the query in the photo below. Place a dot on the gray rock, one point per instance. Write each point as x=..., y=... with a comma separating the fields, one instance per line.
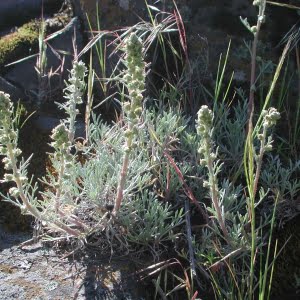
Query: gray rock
x=47, y=275
x=24, y=74
x=46, y=123
x=14, y=12
x=15, y=93
x=209, y=25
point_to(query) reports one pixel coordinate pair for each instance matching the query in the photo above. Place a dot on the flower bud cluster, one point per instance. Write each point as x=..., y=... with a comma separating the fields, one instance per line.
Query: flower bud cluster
x=74, y=93
x=270, y=117
x=205, y=121
x=5, y=106
x=135, y=82
x=8, y=136
x=61, y=143
x=261, y=18
x=76, y=82
x=204, y=130
x=7, y=133
x=257, y=2
x=204, y=127
x=261, y=4
x=253, y=29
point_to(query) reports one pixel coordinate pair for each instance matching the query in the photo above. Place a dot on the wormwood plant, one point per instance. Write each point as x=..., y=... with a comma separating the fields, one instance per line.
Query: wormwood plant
x=16, y=172
x=135, y=83
x=231, y=210
x=204, y=129
x=255, y=29
x=79, y=198
x=131, y=175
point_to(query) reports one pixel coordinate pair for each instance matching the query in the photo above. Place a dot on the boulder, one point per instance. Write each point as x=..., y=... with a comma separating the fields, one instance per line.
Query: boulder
x=205, y=21
x=15, y=93
x=209, y=24
x=24, y=74
x=17, y=12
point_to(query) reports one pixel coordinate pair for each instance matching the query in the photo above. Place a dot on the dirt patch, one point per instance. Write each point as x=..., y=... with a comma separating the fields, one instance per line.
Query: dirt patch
x=37, y=272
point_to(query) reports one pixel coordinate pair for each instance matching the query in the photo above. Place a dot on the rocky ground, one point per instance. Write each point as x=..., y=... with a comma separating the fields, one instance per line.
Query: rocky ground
x=35, y=272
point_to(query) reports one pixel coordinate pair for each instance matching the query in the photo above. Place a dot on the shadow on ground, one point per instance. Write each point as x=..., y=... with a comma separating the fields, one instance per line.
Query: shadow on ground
x=38, y=272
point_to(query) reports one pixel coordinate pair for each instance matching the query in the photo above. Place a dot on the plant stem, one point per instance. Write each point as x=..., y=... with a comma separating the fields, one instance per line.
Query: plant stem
x=189, y=239
x=260, y=20
x=58, y=191
x=123, y=173
x=214, y=190
x=259, y=161
x=33, y=210
x=252, y=79
x=251, y=185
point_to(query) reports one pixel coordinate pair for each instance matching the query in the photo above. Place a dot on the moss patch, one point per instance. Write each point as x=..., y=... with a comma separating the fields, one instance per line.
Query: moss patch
x=20, y=43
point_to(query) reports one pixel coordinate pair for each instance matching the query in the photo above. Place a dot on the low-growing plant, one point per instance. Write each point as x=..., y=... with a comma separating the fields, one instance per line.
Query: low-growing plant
x=85, y=198
x=125, y=184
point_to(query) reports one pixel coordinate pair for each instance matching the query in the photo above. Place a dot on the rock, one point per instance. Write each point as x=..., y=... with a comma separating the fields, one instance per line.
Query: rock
x=19, y=44
x=25, y=76
x=114, y=14
x=45, y=124
x=63, y=43
x=37, y=272
x=209, y=27
x=15, y=93
x=17, y=12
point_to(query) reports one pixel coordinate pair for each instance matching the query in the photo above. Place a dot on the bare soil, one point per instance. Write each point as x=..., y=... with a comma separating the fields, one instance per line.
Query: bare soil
x=37, y=272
